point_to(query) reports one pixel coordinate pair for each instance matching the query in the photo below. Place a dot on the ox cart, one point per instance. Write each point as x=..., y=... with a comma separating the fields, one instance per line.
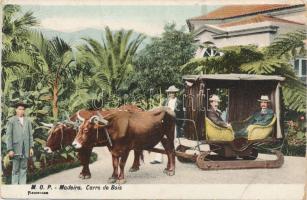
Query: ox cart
x=240, y=92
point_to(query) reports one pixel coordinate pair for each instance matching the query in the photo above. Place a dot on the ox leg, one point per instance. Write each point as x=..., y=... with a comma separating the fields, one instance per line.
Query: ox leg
x=115, y=162
x=122, y=163
x=84, y=157
x=138, y=155
x=170, y=151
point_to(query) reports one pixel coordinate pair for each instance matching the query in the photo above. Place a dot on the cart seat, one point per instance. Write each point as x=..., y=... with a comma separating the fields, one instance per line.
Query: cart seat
x=217, y=133
x=258, y=132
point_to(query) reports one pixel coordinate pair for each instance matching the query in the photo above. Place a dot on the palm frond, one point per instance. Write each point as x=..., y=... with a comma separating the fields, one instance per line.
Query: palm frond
x=59, y=46
x=20, y=58
x=26, y=20
x=288, y=43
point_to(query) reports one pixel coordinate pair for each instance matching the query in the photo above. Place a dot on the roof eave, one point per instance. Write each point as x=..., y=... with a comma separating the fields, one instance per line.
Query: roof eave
x=248, y=31
x=253, y=13
x=210, y=29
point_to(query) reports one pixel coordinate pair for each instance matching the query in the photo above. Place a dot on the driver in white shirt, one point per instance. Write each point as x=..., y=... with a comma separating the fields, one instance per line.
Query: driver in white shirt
x=173, y=103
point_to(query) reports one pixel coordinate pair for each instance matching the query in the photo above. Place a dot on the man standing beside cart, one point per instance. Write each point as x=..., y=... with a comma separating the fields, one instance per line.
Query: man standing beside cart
x=175, y=104
x=19, y=143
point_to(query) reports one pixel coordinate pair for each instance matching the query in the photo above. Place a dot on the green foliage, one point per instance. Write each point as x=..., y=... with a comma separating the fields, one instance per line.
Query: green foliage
x=110, y=62
x=157, y=65
x=289, y=45
x=31, y=64
x=15, y=28
x=231, y=60
x=49, y=60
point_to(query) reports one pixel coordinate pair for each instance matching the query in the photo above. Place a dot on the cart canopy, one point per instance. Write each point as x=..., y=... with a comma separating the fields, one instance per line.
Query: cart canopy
x=234, y=77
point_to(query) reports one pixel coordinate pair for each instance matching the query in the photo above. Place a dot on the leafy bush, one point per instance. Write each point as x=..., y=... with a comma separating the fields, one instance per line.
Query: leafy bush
x=294, y=143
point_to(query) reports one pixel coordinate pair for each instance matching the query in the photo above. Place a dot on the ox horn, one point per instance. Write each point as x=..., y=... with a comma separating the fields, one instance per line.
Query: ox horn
x=79, y=117
x=100, y=119
x=47, y=125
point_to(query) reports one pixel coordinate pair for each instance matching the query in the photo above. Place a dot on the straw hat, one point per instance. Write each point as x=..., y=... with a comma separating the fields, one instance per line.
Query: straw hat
x=214, y=98
x=264, y=98
x=172, y=89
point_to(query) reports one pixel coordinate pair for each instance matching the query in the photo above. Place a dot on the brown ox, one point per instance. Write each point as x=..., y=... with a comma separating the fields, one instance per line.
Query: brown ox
x=63, y=134
x=127, y=131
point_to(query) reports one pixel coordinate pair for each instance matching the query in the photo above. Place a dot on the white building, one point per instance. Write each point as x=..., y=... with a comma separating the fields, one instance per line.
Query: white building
x=248, y=24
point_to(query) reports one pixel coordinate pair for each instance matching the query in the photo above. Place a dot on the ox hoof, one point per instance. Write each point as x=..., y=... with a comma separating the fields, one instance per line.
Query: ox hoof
x=85, y=176
x=134, y=169
x=121, y=181
x=169, y=172
x=88, y=176
x=112, y=180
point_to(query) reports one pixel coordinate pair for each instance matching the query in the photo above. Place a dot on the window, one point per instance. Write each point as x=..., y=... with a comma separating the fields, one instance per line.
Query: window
x=210, y=51
x=296, y=66
x=300, y=68
x=304, y=67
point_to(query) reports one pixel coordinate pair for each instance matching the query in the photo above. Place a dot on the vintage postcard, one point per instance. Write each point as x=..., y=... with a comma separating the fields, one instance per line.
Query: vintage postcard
x=136, y=99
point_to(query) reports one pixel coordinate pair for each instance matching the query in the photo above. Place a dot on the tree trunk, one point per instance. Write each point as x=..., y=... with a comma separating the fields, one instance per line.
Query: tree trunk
x=55, y=109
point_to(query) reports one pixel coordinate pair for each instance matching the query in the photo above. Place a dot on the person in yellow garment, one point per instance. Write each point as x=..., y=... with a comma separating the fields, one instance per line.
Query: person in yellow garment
x=19, y=143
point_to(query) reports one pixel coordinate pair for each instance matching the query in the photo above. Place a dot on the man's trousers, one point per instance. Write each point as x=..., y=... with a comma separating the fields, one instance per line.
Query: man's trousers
x=19, y=172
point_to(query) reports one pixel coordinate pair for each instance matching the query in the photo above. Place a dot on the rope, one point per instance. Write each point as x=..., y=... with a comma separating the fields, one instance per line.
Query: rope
x=107, y=134
x=97, y=136
x=62, y=136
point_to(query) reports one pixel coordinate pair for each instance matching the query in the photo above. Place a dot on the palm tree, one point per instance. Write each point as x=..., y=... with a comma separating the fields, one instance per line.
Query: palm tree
x=15, y=27
x=110, y=61
x=48, y=60
x=15, y=32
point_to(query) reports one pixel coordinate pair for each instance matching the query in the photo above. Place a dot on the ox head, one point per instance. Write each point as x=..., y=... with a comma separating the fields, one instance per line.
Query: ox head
x=60, y=135
x=89, y=132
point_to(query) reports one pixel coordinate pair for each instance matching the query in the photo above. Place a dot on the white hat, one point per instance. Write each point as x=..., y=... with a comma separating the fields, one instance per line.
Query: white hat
x=172, y=89
x=264, y=98
x=214, y=98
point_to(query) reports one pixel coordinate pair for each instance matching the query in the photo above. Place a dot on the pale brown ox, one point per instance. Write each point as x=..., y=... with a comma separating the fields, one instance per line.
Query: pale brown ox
x=130, y=131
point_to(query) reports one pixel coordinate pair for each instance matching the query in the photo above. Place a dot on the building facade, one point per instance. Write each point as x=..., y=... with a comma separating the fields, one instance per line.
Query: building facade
x=248, y=24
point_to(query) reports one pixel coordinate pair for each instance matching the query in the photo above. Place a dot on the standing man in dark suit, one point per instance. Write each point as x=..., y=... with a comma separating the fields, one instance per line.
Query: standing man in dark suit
x=19, y=143
x=214, y=114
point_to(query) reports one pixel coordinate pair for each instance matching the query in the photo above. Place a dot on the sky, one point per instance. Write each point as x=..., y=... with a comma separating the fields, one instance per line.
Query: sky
x=148, y=19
